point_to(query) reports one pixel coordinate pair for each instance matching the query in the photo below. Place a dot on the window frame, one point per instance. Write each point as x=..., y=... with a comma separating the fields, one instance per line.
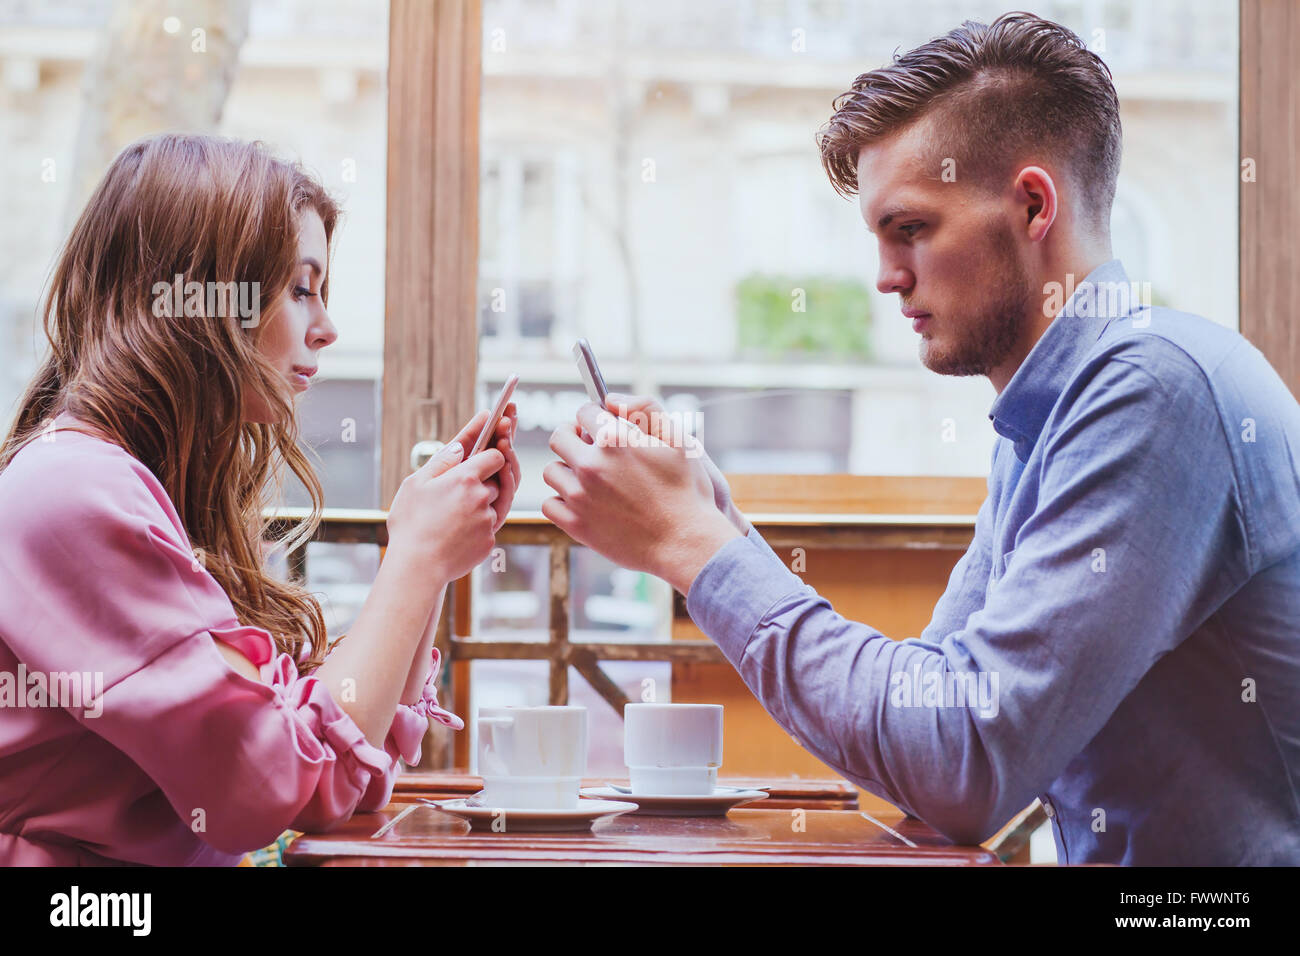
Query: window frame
x=431, y=314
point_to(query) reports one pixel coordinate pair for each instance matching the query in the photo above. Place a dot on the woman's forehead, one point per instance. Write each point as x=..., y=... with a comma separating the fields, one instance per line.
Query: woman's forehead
x=311, y=236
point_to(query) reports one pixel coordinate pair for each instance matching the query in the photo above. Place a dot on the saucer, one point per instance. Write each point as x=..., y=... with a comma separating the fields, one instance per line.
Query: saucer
x=514, y=820
x=714, y=804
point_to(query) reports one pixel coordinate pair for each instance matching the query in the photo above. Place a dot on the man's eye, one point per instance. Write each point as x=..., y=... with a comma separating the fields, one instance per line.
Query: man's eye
x=910, y=226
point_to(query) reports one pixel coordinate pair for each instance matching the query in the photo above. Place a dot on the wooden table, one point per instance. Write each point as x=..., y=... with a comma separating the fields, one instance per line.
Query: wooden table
x=782, y=794
x=425, y=836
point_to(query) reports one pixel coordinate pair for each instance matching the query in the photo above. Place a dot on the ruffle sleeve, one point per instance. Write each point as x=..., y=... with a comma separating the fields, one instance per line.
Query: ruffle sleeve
x=105, y=581
x=323, y=732
x=362, y=768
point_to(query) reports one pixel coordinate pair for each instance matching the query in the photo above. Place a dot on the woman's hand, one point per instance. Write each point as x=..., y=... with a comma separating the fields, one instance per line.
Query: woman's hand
x=507, y=478
x=445, y=515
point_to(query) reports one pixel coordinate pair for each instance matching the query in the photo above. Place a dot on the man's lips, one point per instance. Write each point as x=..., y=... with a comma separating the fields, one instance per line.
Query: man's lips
x=919, y=318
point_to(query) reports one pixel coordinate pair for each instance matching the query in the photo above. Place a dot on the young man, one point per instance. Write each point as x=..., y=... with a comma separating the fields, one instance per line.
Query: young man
x=1122, y=638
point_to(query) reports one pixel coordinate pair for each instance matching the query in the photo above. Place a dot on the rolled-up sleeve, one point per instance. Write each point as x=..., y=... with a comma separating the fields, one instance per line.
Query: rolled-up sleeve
x=1115, y=567
x=106, y=583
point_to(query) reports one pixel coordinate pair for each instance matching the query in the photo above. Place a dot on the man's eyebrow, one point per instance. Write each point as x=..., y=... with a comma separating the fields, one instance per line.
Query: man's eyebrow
x=890, y=215
x=315, y=265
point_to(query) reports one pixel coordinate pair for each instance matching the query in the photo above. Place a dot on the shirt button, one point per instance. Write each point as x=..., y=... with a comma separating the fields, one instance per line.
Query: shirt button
x=1049, y=809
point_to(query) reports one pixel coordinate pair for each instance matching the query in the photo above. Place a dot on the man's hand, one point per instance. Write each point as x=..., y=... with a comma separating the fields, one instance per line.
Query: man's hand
x=637, y=500
x=648, y=415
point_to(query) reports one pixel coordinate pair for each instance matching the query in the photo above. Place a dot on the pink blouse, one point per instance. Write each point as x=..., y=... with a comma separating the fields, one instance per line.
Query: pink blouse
x=125, y=737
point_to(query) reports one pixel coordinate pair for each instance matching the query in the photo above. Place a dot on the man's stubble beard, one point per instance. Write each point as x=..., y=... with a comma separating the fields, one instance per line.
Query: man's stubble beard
x=987, y=333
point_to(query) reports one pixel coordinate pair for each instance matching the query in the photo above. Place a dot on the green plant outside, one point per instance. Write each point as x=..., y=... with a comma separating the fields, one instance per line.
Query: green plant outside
x=834, y=324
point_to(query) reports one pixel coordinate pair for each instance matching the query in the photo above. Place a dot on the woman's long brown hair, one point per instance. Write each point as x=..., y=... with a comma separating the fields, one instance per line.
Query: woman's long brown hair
x=171, y=389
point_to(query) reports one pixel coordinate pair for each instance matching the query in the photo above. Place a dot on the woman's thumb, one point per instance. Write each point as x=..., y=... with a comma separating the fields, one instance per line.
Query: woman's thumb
x=446, y=457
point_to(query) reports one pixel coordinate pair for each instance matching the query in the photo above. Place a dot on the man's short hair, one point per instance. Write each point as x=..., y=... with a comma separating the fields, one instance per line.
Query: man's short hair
x=1000, y=93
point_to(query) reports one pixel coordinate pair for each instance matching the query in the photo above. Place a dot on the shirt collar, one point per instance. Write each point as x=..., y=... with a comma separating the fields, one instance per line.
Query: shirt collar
x=1020, y=411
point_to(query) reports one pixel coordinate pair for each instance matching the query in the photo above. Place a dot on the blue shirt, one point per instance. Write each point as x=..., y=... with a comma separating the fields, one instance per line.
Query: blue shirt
x=1121, y=639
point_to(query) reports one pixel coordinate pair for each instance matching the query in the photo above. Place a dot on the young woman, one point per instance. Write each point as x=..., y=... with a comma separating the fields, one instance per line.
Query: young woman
x=164, y=699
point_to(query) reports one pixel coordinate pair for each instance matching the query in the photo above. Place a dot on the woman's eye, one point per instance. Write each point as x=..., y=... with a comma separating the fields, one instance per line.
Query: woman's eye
x=299, y=292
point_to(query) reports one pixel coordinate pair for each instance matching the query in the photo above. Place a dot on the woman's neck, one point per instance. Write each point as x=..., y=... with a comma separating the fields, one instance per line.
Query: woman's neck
x=71, y=422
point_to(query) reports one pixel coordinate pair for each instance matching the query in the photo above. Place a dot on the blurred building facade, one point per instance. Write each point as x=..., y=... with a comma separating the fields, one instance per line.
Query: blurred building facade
x=639, y=163
x=649, y=181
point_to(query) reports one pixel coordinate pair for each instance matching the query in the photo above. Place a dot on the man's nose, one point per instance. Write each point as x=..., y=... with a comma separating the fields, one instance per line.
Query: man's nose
x=893, y=278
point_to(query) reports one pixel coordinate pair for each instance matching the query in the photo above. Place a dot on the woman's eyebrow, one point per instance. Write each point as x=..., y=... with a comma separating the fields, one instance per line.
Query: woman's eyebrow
x=315, y=264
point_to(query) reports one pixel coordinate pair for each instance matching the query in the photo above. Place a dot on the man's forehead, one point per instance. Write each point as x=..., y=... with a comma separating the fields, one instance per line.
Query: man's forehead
x=897, y=195
x=895, y=172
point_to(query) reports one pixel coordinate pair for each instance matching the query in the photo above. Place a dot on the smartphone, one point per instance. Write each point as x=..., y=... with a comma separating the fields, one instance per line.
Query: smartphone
x=503, y=399
x=590, y=372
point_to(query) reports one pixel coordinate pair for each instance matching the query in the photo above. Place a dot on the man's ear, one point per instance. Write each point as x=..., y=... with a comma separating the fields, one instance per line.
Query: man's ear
x=1036, y=195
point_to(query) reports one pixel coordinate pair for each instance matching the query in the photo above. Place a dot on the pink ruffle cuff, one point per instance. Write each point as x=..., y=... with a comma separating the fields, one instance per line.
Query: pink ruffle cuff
x=411, y=722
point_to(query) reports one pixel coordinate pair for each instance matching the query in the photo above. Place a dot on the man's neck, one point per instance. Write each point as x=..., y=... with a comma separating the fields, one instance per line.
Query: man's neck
x=1065, y=276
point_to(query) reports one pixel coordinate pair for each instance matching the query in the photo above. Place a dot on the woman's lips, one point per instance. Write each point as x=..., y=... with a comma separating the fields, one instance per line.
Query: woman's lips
x=301, y=375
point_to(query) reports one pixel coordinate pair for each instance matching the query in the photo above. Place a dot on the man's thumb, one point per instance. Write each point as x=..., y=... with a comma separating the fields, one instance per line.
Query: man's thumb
x=642, y=412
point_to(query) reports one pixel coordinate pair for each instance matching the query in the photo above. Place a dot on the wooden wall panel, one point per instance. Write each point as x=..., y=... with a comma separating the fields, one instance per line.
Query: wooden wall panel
x=858, y=494
x=893, y=591
x=430, y=321
x=1270, y=206
x=430, y=310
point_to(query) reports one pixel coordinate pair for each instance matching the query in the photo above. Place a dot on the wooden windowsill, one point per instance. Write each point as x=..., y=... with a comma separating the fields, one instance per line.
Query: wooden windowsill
x=774, y=502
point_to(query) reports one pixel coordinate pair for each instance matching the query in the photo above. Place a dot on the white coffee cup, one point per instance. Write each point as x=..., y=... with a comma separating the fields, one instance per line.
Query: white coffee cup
x=673, y=749
x=532, y=757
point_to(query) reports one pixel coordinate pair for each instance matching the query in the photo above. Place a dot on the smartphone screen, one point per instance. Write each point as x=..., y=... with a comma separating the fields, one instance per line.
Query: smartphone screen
x=590, y=372
x=503, y=399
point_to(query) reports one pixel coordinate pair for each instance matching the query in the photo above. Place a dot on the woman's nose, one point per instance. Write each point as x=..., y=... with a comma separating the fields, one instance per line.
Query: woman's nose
x=323, y=332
